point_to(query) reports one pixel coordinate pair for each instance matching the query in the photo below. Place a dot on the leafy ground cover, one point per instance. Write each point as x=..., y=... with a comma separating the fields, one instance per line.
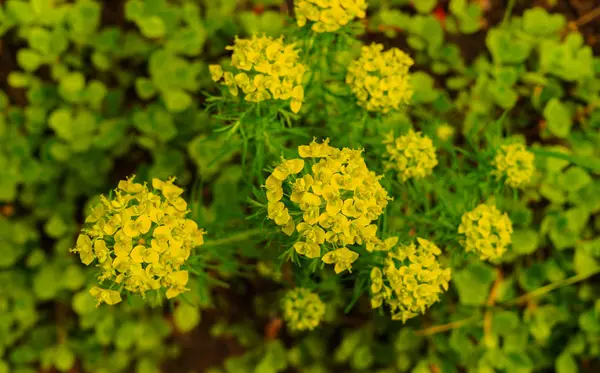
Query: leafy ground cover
x=379, y=186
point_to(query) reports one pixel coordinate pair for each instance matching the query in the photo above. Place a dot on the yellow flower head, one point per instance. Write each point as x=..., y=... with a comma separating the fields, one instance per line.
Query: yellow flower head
x=380, y=80
x=334, y=199
x=515, y=163
x=411, y=155
x=445, y=132
x=140, y=239
x=410, y=280
x=302, y=309
x=263, y=68
x=487, y=231
x=328, y=15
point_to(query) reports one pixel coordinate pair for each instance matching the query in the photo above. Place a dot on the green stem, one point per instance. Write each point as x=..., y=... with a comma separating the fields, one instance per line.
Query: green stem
x=551, y=287
x=507, y=14
x=244, y=235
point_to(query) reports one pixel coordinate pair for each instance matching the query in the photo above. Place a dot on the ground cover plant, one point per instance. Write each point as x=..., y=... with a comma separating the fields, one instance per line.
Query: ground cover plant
x=299, y=186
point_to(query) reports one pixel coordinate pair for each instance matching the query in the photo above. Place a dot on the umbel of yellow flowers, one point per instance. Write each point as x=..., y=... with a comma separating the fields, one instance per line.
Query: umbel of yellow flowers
x=515, y=163
x=487, y=231
x=412, y=155
x=140, y=239
x=411, y=279
x=263, y=68
x=335, y=199
x=302, y=309
x=379, y=79
x=328, y=15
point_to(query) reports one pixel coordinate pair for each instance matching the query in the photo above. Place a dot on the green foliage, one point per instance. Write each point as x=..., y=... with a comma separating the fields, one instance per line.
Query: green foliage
x=94, y=94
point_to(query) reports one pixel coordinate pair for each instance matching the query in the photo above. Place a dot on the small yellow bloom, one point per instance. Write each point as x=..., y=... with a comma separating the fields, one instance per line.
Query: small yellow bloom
x=84, y=248
x=110, y=297
x=141, y=240
x=412, y=155
x=328, y=16
x=409, y=289
x=343, y=259
x=487, y=231
x=515, y=163
x=264, y=68
x=302, y=309
x=216, y=72
x=380, y=80
x=334, y=201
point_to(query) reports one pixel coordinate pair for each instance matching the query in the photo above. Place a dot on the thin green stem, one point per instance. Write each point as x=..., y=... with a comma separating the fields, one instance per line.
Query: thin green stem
x=508, y=13
x=244, y=235
x=551, y=287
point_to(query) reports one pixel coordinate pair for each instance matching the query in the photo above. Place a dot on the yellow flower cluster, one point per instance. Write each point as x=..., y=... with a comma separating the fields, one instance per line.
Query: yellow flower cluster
x=328, y=15
x=445, y=132
x=264, y=68
x=515, y=163
x=412, y=155
x=334, y=196
x=380, y=80
x=140, y=239
x=302, y=309
x=411, y=280
x=487, y=231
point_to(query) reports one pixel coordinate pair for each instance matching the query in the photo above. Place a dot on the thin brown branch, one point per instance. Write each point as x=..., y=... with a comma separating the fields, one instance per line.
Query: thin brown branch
x=587, y=18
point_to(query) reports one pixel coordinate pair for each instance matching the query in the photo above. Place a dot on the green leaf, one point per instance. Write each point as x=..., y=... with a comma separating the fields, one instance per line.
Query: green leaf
x=186, y=317
x=20, y=11
x=473, y=283
x=558, y=118
x=583, y=263
x=39, y=39
x=525, y=241
x=55, y=226
x=61, y=122
x=152, y=27
x=29, y=59
x=18, y=80
x=425, y=6
x=72, y=83
x=574, y=179
x=144, y=88
x=505, y=48
x=537, y=21
x=565, y=363
x=504, y=322
x=64, y=358
x=177, y=100
x=95, y=93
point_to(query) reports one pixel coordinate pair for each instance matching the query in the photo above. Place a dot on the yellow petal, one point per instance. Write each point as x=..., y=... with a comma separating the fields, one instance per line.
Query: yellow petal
x=137, y=254
x=143, y=223
x=130, y=229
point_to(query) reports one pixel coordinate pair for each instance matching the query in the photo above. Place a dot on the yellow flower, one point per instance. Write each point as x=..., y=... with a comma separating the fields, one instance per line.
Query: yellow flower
x=141, y=240
x=409, y=288
x=176, y=282
x=487, y=231
x=516, y=164
x=110, y=297
x=302, y=309
x=335, y=197
x=328, y=16
x=264, y=68
x=84, y=248
x=216, y=72
x=343, y=259
x=445, y=132
x=380, y=80
x=141, y=225
x=412, y=155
